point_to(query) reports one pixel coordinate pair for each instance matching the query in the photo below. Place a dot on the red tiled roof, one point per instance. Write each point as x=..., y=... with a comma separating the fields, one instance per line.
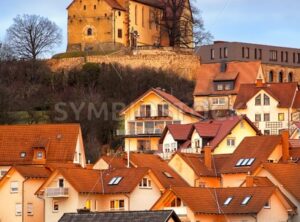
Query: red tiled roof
x=179, y=132
x=248, y=91
x=153, y=3
x=288, y=175
x=196, y=162
x=211, y=200
x=115, y=162
x=158, y=166
x=59, y=140
x=33, y=171
x=260, y=182
x=220, y=128
x=248, y=72
x=258, y=147
x=296, y=104
x=169, y=98
x=229, y=76
x=90, y=181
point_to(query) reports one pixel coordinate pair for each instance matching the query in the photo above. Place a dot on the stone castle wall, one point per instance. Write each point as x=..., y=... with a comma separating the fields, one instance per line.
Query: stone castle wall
x=183, y=64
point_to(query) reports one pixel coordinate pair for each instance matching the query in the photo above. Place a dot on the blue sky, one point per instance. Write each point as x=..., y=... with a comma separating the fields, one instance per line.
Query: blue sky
x=274, y=22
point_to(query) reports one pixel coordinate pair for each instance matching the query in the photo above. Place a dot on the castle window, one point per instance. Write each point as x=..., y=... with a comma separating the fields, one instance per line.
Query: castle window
x=290, y=77
x=89, y=32
x=143, y=20
x=136, y=14
x=271, y=76
x=280, y=77
x=120, y=13
x=84, y=7
x=95, y=7
x=120, y=34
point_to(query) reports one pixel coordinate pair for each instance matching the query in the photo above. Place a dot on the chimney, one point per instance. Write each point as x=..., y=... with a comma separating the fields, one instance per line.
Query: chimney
x=259, y=83
x=249, y=181
x=207, y=156
x=285, y=145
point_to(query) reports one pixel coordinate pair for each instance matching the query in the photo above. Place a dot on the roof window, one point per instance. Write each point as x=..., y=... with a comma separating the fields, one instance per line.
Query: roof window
x=23, y=154
x=168, y=174
x=228, y=200
x=115, y=181
x=246, y=200
x=245, y=162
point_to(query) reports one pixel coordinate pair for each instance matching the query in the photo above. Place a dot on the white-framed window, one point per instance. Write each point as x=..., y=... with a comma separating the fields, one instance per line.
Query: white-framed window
x=40, y=155
x=218, y=101
x=55, y=206
x=18, y=209
x=268, y=205
x=145, y=183
x=14, y=187
x=231, y=142
x=117, y=205
x=29, y=209
x=197, y=143
x=258, y=100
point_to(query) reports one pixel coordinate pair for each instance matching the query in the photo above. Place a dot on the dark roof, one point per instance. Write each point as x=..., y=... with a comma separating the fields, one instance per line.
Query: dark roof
x=153, y=3
x=285, y=100
x=258, y=147
x=122, y=216
x=33, y=171
x=169, y=98
x=59, y=141
x=247, y=73
x=179, y=132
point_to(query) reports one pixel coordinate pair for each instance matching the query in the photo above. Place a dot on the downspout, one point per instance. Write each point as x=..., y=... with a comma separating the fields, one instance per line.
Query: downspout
x=128, y=197
x=44, y=206
x=23, y=203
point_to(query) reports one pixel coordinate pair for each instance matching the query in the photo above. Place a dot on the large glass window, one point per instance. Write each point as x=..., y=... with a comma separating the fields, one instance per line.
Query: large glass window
x=266, y=100
x=258, y=100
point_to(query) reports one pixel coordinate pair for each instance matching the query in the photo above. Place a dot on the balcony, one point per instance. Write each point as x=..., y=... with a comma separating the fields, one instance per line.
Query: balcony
x=153, y=114
x=180, y=211
x=57, y=192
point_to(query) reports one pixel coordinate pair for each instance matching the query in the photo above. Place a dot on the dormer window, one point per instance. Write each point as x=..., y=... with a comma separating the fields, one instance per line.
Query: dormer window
x=266, y=100
x=40, y=155
x=145, y=183
x=224, y=85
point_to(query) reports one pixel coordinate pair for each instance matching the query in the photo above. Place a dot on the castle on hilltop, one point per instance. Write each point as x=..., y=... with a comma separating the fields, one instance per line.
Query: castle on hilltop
x=95, y=25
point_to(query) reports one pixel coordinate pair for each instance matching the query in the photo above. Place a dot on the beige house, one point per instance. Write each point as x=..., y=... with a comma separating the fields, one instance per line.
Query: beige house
x=146, y=117
x=222, y=135
x=68, y=190
x=41, y=144
x=271, y=106
x=18, y=201
x=227, y=204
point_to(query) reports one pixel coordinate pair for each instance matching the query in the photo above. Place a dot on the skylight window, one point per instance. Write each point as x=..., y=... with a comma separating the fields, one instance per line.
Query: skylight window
x=250, y=162
x=115, y=181
x=23, y=154
x=246, y=200
x=168, y=175
x=228, y=200
x=245, y=162
x=239, y=162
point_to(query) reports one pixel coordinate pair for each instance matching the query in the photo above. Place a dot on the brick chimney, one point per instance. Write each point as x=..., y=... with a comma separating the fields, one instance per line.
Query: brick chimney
x=207, y=156
x=249, y=181
x=285, y=146
x=259, y=83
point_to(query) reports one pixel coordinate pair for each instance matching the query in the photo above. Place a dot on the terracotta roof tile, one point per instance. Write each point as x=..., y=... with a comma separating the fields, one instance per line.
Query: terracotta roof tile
x=113, y=3
x=158, y=166
x=288, y=175
x=296, y=104
x=180, y=131
x=196, y=162
x=33, y=171
x=59, y=140
x=248, y=72
x=90, y=181
x=207, y=200
x=260, y=182
x=115, y=162
x=258, y=147
x=247, y=91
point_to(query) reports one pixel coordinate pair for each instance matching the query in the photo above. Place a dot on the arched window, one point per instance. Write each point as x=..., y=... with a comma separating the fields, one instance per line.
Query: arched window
x=280, y=77
x=290, y=77
x=89, y=31
x=271, y=76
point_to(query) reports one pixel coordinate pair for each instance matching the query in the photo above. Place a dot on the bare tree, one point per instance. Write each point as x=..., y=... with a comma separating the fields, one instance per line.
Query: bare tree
x=183, y=23
x=6, y=53
x=31, y=36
